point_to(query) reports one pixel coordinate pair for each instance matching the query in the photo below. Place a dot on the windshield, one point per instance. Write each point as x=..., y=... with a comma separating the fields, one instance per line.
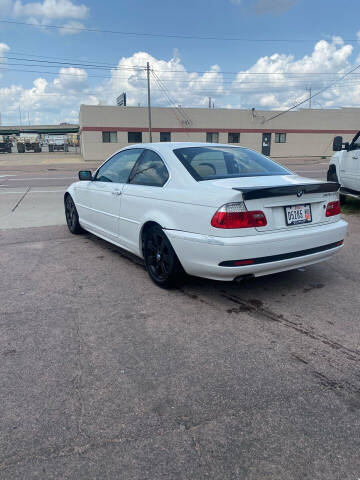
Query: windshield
x=208, y=163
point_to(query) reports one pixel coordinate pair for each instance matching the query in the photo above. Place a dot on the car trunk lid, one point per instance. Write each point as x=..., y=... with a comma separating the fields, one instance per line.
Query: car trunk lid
x=275, y=194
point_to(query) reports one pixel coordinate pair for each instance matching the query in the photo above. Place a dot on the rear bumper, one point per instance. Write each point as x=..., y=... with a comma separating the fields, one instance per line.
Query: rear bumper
x=201, y=255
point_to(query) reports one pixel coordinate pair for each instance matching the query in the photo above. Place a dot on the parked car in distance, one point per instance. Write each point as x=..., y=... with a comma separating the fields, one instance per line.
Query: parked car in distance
x=209, y=210
x=344, y=167
x=59, y=145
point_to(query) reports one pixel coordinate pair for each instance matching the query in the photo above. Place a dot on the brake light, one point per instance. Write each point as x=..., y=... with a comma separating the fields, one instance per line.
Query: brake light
x=235, y=215
x=333, y=208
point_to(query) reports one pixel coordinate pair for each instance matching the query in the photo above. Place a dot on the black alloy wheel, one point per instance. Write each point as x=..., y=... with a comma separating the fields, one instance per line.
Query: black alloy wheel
x=72, y=217
x=161, y=261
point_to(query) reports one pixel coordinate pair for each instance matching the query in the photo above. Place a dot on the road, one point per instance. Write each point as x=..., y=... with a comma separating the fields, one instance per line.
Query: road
x=61, y=175
x=38, y=186
x=104, y=375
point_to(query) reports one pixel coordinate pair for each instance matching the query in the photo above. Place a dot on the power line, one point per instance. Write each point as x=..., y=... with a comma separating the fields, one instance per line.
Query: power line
x=219, y=81
x=314, y=95
x=290, y=82
x=88, y=65
x=165, y=35
x=98, y=64
x=65, y=74
x=167, y=94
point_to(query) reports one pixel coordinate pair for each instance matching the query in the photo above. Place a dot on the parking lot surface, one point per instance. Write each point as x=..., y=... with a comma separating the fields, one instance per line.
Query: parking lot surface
x=104, y=375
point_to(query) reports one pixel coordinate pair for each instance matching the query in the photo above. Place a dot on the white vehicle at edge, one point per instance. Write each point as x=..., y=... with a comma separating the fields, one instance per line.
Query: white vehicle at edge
x=210, y=210
x=344, y=167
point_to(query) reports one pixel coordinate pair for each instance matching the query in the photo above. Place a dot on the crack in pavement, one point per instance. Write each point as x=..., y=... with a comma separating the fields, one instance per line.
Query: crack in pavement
x=256, y=310
x=78, y=380
x=21, y=199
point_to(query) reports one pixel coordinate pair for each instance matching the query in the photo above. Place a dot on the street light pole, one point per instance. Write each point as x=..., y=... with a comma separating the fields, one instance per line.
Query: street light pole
x=149, y=100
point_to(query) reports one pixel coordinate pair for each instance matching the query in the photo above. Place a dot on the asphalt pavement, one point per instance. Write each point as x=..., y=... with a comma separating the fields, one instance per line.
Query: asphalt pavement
x=105, y=376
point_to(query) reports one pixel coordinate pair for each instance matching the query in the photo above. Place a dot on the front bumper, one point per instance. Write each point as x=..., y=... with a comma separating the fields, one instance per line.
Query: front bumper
x=200, y=255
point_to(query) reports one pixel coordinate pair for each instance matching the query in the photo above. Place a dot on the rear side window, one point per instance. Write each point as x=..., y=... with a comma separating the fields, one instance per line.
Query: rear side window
x=207, y=163
x=150, y=171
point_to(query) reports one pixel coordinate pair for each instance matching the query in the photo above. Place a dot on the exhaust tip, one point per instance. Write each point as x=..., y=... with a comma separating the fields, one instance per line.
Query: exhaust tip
x=242, y=278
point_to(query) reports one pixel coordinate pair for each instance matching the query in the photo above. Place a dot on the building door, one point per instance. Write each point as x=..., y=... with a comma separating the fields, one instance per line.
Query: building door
x=266, y=143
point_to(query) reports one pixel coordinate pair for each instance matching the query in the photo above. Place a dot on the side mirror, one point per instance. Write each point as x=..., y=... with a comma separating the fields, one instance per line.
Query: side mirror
x=337, y=144
x=347, y=146
x=85, y=175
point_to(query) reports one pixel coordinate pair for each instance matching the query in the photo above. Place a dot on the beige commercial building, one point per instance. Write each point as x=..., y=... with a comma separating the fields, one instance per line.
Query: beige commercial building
x=302, y=133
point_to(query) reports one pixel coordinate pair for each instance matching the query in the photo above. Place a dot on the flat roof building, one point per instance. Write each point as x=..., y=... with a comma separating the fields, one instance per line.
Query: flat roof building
x=306, y=132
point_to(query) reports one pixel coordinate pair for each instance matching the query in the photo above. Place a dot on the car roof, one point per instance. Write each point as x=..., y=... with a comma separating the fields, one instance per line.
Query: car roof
x=166, y=146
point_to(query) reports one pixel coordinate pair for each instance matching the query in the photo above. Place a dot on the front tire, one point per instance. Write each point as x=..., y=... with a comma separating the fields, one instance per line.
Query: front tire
x=161, y=261
x=72, y=217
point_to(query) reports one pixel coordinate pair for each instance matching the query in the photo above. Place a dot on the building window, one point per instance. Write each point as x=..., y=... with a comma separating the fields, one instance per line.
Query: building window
x=165, y=137
x=109, y=137
x=212, y=137
x=233, y=137
x=134, y=137
x=280, y=137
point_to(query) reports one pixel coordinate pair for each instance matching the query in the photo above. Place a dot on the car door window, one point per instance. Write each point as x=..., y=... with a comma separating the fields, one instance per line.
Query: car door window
x=150, y=170
x=117, y=169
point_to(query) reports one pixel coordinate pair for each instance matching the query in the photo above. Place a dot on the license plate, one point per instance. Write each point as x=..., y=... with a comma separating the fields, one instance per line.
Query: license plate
x=297, y=214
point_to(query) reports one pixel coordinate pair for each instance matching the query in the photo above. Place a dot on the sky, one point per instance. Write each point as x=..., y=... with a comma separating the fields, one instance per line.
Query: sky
x=267, y=54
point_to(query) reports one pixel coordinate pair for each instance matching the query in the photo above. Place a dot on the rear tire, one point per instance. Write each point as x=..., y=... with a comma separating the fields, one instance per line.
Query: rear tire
x=342, y=199
x=331, y=174
x=72, y=217
x=161, y=261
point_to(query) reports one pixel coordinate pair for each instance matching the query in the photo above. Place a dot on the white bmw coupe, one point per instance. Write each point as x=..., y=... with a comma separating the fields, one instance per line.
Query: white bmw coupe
x=209, y=210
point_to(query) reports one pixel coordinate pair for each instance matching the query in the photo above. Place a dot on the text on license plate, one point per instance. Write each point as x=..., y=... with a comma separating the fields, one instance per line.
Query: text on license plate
x=296, y=214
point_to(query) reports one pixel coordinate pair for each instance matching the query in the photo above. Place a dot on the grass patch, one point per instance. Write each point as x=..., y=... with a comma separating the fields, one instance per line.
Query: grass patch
x=352, y=206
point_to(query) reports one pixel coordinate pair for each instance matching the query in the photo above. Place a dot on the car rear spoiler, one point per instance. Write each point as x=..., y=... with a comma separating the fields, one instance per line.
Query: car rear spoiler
x=251, y=193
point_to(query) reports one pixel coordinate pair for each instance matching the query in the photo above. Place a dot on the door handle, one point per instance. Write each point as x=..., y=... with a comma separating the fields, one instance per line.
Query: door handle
x=116, y=192
x=354, y=158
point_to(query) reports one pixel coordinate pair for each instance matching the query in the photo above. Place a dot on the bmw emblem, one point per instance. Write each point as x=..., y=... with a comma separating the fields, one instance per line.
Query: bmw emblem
x=299, y=193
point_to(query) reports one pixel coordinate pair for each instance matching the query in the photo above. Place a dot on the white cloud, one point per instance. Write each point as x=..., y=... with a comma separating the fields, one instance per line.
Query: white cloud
x=3, y=49
x=50, y=9
x=49, y=102
x=71, y=79
x=279, y=90
x=54, y=11
x=276, y=81
x=6, y=6
x=71, y=28
x=184, y=87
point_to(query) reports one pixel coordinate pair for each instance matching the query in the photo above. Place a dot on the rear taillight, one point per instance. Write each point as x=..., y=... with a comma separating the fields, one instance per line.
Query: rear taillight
x=235, y=215
x=333, y=208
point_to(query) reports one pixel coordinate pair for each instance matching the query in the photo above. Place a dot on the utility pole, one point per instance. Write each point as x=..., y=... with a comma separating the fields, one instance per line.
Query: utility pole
x=149, y=100
x=308, y=89
x=209, y=102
